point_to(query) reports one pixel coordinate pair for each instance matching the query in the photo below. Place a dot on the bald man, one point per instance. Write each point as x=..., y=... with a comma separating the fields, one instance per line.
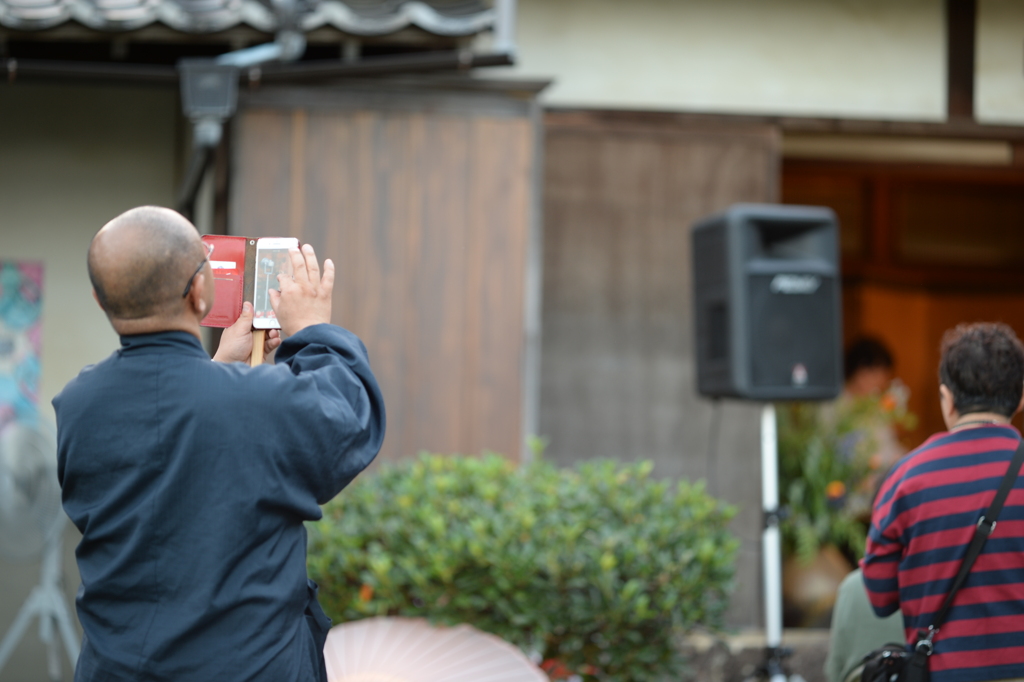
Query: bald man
x=190, y=479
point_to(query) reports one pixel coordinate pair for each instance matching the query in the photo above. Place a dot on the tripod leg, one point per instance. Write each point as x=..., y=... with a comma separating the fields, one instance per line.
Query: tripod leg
x=46, y=635
x=67, y=632
x=21, y=621
x=56, y=601
x=52, y=654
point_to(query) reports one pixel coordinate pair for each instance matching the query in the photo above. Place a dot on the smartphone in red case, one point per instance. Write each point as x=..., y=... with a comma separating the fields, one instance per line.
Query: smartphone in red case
x=237, y=278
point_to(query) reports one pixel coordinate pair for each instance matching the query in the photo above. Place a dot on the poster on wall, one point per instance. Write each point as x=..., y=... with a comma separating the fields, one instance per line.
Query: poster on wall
x=21, y=287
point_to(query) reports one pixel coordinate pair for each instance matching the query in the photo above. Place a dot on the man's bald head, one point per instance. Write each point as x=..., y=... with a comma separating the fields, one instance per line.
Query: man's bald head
x=140, y=262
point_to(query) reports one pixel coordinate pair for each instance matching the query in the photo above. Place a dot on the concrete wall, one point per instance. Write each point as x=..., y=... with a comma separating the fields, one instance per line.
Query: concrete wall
x=851, y=58
x=71, y=158
x=999, y=66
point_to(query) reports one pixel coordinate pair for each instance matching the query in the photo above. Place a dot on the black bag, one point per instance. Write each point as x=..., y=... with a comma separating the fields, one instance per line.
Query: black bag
x=893, y=662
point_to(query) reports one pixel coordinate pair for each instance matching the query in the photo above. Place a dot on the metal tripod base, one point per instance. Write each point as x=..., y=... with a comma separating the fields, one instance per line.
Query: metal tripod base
x=47, y=602
x=773, y=668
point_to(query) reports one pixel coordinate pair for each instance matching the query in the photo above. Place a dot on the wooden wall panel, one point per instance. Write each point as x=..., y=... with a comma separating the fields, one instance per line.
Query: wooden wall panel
x=427, y=216
x=618, y=367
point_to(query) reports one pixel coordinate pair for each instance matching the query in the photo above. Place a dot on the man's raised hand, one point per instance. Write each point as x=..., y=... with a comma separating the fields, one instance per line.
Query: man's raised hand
x=305, y=297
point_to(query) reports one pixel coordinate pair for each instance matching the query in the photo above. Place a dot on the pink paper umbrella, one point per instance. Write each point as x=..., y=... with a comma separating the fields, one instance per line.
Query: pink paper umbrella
x=413, y=650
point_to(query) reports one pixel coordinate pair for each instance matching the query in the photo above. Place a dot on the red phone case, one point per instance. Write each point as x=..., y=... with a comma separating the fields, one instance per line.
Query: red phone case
x=228, y=261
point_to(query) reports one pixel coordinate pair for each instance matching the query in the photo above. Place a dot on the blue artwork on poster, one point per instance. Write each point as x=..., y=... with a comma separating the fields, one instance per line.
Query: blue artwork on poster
x=21, y=286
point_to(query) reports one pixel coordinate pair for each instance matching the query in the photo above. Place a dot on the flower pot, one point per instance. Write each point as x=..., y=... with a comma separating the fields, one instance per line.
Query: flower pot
x=809, y=589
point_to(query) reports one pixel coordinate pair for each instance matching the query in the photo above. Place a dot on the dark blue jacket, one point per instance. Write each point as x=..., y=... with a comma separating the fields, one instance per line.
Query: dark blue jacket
x=190, y=481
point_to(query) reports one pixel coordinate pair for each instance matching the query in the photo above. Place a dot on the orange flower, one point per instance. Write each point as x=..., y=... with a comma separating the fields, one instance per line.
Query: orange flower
x=835, y=490
x=888, y=402
x=366, y=592
x=555, y=669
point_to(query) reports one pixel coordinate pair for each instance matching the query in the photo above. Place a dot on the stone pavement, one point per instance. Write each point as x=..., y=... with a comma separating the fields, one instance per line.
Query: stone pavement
x=734, y=656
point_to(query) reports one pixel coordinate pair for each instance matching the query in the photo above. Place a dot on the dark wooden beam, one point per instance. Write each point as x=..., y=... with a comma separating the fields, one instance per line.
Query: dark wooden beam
x=961, y=19
x=955, y=129
x=460, y=61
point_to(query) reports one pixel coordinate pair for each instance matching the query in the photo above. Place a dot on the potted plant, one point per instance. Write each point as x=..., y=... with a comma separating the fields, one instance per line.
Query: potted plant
x=829, y=465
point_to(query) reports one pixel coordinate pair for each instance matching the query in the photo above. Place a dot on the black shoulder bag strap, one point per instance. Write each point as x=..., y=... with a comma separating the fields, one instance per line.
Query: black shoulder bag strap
x=986, y=524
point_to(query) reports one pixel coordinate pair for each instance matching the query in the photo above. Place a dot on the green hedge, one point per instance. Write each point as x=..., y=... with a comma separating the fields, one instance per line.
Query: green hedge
x=599, y=567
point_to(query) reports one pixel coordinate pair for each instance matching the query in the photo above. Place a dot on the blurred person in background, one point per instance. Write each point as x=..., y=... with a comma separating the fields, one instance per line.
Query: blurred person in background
x=867, y=367
x=868, y=372
x=865, y=416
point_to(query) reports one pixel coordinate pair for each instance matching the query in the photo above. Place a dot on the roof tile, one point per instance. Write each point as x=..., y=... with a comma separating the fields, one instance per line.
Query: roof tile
x=357, y=17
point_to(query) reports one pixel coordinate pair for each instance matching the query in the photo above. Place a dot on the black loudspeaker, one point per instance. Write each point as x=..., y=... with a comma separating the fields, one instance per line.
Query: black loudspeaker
x=767, y=303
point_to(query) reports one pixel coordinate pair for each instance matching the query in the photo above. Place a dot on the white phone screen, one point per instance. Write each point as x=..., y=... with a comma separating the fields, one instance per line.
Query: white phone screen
x=272, y=259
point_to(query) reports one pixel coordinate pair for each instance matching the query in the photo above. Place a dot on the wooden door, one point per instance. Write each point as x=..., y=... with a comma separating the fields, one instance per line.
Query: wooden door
x=423, y=198
x=618, y=362
x=925, y=247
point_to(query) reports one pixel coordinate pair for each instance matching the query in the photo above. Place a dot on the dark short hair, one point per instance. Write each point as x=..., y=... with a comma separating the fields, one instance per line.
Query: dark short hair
x=983, y=367
x=865, y=353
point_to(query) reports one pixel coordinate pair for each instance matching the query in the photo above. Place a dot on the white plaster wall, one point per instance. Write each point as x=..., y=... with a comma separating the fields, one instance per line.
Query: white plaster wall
x=71, y=158
x=999, y=65
x=849, y=58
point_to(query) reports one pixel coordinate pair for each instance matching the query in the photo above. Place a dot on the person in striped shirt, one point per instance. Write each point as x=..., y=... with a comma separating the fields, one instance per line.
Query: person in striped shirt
x=928, y=506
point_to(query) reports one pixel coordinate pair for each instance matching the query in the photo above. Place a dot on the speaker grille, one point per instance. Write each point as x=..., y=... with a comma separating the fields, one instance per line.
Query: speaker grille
x=793, y=332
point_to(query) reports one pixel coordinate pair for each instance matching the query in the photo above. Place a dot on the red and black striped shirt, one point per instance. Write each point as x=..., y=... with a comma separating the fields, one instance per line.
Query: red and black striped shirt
x=923, y=520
